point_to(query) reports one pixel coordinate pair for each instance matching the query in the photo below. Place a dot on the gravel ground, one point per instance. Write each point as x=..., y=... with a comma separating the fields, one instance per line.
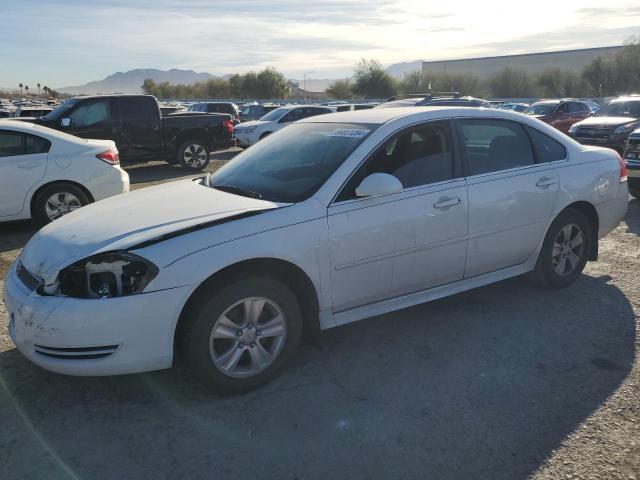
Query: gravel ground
x=504, y=382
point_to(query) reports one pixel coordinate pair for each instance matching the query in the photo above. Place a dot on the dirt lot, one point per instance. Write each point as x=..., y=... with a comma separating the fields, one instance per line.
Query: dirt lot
x=504, y=382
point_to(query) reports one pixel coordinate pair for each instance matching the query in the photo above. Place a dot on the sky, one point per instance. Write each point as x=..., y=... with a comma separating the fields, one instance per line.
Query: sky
x=70, y=42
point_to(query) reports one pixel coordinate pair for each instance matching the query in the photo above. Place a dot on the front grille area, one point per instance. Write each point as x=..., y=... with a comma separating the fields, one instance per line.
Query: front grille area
x=592, y=132
x=76, y=353
x=28, y=280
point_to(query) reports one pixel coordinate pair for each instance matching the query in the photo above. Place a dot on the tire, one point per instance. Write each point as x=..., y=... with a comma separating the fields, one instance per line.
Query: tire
x=634, y=189
x=236, y=346
x=56, y=201
x=193, y=154
x=265, y=134
x=562, y=260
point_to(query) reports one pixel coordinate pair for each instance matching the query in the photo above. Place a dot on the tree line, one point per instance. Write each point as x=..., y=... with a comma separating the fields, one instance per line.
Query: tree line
x=268, y=83
x=616, y=75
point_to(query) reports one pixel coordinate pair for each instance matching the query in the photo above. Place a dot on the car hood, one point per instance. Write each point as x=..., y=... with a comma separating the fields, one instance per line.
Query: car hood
x=252, y=123
x=607, y=121
x=130, y=219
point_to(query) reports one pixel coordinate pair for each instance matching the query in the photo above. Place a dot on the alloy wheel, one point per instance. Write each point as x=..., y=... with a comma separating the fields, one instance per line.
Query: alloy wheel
x=61, y=203
x=195, y=155
x=248, y=337
x=568, y=249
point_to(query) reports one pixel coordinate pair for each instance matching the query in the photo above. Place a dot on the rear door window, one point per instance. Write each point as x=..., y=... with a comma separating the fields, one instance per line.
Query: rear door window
x=492, y=145
x=137, y=109
x=11, y=143
x=546, y=148
x=34, y=145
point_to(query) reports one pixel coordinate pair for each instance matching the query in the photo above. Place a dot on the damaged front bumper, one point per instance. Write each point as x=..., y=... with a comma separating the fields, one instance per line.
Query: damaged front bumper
x=89, y=337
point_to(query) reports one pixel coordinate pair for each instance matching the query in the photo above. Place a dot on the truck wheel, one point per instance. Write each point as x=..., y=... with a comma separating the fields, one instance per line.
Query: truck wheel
x=193, y=154
x=56, y=201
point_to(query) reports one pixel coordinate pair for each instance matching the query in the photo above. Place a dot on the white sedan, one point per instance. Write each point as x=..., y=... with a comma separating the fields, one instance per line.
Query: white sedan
x=248, y=133
x=332, y=220
x=45, y=174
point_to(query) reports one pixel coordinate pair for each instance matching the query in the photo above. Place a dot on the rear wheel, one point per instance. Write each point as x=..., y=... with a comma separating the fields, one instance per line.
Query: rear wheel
x=240, y=336
x=565, y=250
x=56, y=201
x=193, y=154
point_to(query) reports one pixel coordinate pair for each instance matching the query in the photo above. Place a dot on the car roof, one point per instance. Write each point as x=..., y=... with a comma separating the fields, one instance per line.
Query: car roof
x=28, y=127
x=379, y=116
x=628, y=98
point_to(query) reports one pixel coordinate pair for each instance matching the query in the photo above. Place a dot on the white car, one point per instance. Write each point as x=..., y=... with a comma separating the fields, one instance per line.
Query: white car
x=248, y=133
x=45, y=174
x=337, y=218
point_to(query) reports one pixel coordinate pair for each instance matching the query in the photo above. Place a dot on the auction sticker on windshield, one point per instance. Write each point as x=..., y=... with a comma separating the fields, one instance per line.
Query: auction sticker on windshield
x=349, y=132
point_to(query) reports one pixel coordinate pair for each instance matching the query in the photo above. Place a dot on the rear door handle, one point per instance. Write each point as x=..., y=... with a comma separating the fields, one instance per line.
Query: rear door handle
x=545, y=182
x=29, y=165
x=447, y=202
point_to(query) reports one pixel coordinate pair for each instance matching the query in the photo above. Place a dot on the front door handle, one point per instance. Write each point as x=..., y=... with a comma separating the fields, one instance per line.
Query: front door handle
x=545, y=182
x=447, y=202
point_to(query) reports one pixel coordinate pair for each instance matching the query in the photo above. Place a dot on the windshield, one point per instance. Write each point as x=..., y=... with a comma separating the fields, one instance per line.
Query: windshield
x=274, y=114
x=61, y=109
x=620, y=109
x=541, y=109
x=291, y=164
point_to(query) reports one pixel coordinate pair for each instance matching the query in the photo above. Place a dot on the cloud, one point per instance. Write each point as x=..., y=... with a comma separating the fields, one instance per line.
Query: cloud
x=64, y=42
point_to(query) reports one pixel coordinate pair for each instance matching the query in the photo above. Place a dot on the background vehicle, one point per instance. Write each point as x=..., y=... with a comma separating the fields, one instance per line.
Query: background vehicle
x=611, y=125
x=45, y=174
x=255, y=111
x=249, y=133
x=134, y=122
x=561, y=114
x=171, y=109
x=447, y=99
x=217, y=107
x=334, y=219
x=515, y=107
x=32, y=111
x=632, y=160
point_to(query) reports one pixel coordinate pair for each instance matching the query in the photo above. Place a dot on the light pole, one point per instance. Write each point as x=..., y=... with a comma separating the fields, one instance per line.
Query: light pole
x=304, y=81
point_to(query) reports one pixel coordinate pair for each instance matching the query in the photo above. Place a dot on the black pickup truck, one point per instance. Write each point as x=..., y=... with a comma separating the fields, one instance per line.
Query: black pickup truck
x=140, y=131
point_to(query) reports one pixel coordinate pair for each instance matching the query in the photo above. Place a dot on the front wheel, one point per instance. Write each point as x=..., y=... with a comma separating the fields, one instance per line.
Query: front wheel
x=193, y=154
x=565, y=250
x=240, y=336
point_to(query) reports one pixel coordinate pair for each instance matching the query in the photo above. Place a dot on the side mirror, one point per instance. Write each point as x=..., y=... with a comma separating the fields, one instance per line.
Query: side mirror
x=378, y=184
x=65, y=122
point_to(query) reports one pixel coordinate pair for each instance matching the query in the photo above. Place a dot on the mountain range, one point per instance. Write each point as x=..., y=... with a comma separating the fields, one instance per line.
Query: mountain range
x=131, y=81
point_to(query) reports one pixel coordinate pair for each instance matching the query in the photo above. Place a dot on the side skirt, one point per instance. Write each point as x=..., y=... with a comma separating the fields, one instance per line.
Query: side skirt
x=397, y=303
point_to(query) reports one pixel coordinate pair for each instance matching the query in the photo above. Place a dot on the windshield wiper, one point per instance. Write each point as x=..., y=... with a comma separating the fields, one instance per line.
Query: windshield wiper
x=245, y=192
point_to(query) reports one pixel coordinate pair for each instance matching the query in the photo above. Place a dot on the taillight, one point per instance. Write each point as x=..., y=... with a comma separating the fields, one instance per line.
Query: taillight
x=623, y=169
x=111, y=156
x=228, y=125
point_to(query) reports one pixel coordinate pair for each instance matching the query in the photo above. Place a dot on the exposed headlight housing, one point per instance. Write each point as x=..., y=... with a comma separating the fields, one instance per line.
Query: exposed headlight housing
x=106, y=275
x=573, y=128
x=624, y=129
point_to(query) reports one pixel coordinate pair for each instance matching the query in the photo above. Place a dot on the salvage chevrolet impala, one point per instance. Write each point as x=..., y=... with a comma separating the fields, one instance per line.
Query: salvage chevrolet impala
x=335, y=219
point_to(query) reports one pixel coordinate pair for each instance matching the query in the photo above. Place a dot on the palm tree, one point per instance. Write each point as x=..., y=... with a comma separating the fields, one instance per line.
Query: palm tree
x=26, y=87
x=20, y=87
x=38, y=88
